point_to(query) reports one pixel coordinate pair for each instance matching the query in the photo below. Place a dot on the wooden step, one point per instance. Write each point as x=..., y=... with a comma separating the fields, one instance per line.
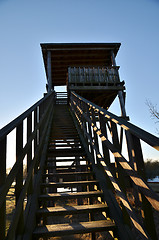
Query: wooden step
x=70, y=195
x=66, y=153
x=53, y=159
x=66, y=210
x=67, y=150
x=74, y=228
x=65, y=174
x=69, y=141
x=68, y=167
x=65, y=145
x=69, y=184
x=65, y=137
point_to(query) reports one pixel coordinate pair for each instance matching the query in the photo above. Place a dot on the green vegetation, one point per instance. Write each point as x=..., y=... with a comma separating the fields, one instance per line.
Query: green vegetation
x=152, y=168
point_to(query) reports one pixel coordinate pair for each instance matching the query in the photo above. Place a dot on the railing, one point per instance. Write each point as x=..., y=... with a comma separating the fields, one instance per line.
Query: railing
x=93, y=76
x=23, y=204
x=131, y=197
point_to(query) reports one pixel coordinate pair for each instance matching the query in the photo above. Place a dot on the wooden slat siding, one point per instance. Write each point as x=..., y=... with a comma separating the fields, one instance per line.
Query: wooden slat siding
x=124, y=200
x=29, y=153
x=19, y=176
x=93, y=76
x=147, y=208
x=3, y=143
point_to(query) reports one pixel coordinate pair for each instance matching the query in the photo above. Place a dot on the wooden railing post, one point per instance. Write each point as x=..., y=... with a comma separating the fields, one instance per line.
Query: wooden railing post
x=94, y=133
x=90, y=133
x=147, y=213
x=29, y=154
x=104, y=131
x=19, y=177
x=2, y=181
x=36, y=136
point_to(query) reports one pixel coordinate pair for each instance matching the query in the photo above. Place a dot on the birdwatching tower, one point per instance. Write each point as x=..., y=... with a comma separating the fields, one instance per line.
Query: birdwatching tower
x=77, y=182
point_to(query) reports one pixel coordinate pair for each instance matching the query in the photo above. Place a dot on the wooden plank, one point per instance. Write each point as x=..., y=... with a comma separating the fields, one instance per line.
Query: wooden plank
x=103, y=128
x=9, y=127
x=29, y=153
x=142, y=134
x=53, y=159
x=19, y=176
x=71, y=209
x=69, y=184
x=49, y=71
x=99, y=88
x=71, y=195
x=67, y=229
x=3, y=146
x=63, y=174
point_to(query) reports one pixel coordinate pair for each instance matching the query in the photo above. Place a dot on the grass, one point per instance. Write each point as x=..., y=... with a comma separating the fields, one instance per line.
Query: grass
x=10, y=207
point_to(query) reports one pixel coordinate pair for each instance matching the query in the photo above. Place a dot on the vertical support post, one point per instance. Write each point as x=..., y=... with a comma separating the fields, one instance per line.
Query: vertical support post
x=50, y=87
x=94, y=133
x=123, y=113
x=19, y=177
x=147, y=208
x=104, y=131
x=36, y=136
x=3, y=143
x=119, y=172
x=90, y=133
x=29, y=154
x=113, y=58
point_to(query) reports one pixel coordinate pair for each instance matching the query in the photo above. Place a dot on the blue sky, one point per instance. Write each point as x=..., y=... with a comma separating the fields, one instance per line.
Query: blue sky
x=26, y=24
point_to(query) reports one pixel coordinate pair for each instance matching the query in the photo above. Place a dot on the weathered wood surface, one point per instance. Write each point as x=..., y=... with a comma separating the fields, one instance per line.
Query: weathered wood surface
x=136, y=177
x=70, y=195
x=72, y=209
x=78, y=186
x=16, y=174
x=75, y=228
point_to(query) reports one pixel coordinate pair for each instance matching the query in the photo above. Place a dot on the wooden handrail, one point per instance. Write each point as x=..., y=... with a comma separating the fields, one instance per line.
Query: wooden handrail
x=88, y=112
x=10, y=126
x=140, y=133
x=43, y=111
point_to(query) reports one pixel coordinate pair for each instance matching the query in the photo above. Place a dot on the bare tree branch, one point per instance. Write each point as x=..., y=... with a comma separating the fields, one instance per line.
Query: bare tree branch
x=153, y=110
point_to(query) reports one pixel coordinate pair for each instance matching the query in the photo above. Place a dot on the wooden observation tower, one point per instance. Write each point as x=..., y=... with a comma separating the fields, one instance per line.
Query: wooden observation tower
x=89, y=69
x=70, y=179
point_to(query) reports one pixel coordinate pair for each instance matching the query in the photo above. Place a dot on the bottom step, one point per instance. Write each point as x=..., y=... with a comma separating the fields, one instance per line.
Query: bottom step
x=74, y=228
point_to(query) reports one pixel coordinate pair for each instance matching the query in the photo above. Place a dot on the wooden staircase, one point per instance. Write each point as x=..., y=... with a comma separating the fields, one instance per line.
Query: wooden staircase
x=70, y=201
